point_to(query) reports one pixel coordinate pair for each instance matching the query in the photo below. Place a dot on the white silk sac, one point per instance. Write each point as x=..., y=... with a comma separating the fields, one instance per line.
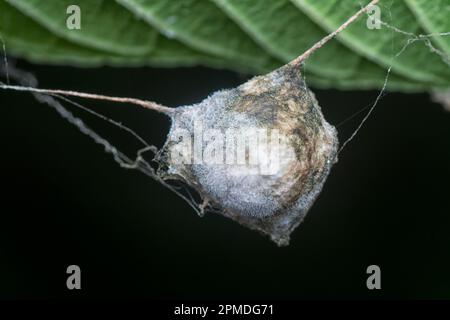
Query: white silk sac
x=260, y=153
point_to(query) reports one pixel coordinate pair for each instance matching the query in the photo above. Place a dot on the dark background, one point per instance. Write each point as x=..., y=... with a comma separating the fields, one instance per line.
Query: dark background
x=65, y=201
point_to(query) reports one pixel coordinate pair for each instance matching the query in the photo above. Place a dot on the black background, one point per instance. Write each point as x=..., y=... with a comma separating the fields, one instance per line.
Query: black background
x=65, y=201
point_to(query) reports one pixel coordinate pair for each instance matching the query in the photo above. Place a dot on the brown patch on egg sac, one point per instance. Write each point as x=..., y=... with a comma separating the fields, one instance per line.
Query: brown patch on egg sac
x=275, y=203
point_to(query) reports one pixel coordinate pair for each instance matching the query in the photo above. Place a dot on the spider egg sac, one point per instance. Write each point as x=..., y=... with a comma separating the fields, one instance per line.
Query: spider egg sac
x=260, y=153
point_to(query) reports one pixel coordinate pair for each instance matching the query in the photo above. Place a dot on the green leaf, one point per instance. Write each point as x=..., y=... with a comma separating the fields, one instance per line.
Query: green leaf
x=252, y=36
x=286, y=32
x=434, y=16
x=381, y=46
x=104, y=24
x=276, y=25
x=201, y=25
x=25, y=37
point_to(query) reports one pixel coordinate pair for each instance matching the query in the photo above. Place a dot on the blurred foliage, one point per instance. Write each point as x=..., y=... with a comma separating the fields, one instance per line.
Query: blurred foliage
x=252, y=36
